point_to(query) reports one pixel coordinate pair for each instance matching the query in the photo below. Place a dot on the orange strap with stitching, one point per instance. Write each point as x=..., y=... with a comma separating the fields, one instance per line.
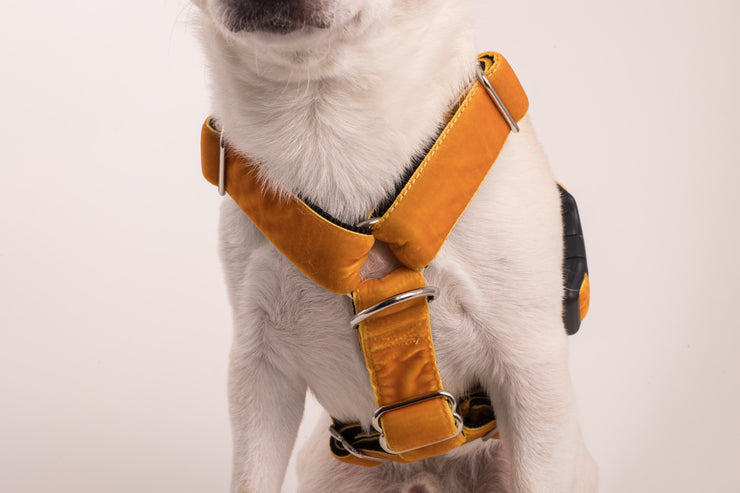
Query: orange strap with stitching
x=414, y=417
x=441, y=188
x=424, y=213
x=327, y=254
x=399, y=355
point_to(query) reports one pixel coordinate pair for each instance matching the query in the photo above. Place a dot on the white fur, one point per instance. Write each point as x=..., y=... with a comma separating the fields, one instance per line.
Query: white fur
x=336, y=115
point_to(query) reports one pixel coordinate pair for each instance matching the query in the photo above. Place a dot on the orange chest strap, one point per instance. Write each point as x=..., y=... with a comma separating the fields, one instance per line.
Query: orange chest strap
x=415, y=417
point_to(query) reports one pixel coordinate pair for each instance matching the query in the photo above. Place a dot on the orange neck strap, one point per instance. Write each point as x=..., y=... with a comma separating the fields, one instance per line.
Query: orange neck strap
x=415, y=418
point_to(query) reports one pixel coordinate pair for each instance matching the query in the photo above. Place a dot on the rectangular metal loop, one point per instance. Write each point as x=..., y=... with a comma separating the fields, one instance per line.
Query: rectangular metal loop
x=382, y=410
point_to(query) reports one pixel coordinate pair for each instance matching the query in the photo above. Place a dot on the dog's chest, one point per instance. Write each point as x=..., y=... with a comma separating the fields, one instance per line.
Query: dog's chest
x=492, y=263
x=306, y=331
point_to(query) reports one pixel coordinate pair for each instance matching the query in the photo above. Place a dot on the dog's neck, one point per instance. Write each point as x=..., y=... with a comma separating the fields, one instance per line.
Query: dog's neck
x=340, y=130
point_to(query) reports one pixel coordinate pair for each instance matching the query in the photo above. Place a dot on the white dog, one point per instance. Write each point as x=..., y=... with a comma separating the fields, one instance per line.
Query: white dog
x=335, y=99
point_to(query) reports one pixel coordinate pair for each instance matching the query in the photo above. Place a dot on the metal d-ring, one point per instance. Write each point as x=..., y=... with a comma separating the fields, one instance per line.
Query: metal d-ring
x=497, y=100
x=368, y=223
x=489, y=435
x=350, y=448
x=222, y=165
x=429, y=292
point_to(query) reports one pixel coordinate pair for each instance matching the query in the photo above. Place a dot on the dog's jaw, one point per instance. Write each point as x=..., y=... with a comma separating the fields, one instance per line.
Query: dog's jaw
x=284, y=16
x=357, y=102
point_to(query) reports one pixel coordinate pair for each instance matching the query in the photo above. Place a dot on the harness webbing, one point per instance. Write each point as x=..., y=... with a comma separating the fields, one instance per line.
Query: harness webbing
x=351, y=443
x=415, y=418
x=441, y=188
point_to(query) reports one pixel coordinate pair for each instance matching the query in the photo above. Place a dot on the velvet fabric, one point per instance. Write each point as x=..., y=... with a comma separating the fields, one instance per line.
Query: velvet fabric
x=440, y=189
x=399, y=355
x=424, y=213
x=397, y=342
x=327, y=254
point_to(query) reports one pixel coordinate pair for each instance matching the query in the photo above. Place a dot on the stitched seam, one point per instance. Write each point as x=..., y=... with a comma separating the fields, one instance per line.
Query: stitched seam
x=323, y=221
x=428, y=159
x=247, y=167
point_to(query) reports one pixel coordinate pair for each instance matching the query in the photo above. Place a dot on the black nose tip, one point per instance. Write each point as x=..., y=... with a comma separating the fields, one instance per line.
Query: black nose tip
x=278, y=16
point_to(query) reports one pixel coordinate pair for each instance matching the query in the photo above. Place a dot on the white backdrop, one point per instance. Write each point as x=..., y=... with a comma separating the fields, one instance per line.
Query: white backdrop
x=114, y=323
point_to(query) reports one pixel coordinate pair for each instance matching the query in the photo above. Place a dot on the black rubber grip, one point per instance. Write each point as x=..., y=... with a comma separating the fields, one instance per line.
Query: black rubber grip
x=575, y=267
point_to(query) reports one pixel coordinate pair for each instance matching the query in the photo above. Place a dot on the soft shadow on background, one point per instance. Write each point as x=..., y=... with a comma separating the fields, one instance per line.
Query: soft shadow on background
x=114, y=324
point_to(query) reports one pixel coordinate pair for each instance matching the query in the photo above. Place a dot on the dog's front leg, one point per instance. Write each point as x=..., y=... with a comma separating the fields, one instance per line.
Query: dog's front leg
x=537, y=419
x=266, y=407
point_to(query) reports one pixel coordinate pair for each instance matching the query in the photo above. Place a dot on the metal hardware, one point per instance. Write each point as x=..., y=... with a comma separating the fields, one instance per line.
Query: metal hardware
x=497, y=100
x=380, y=411
x=349, y=448
x=490, y=434
x=368, y=223
x=430, y=292
x=222, y=165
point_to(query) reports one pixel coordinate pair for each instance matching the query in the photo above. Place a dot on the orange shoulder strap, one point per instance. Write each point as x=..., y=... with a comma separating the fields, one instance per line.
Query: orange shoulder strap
x=426, y=210
x=329, y=255
x=440, y=188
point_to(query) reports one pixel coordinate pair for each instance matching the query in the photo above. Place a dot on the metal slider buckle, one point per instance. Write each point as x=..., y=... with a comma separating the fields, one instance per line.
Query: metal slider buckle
x=430, y=292
x=382, y=410
x=349, y=448
x=497, y=100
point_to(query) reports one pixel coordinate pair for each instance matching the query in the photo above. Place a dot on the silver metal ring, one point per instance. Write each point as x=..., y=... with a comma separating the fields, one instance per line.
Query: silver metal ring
x=222, y=165
x=489, y=435
x=430, y=292
x=351, y=449
x=497, y=100
x=368, y=223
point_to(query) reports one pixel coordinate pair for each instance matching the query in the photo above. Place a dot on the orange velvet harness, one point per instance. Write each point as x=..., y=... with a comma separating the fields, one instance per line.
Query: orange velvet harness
x=415, y=418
